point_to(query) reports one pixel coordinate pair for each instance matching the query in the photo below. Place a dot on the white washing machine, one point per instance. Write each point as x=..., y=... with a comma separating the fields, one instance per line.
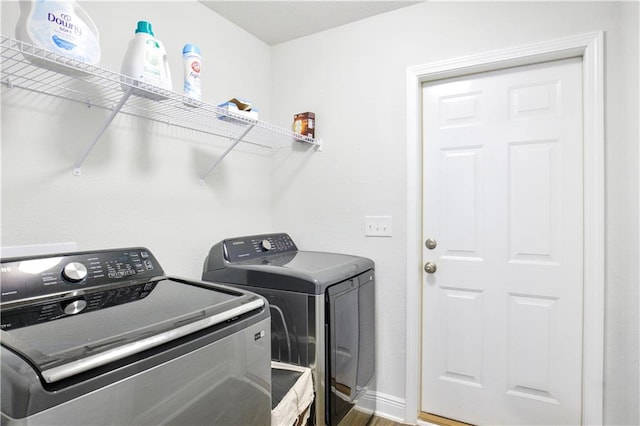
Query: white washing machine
x=322, y=315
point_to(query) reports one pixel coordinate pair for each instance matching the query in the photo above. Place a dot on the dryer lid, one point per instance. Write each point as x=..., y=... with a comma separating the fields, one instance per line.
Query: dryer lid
x=274, y=261
x=309, y=272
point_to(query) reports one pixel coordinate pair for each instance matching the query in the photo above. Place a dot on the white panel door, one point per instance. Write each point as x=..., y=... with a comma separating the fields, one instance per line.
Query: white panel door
x=503, y=199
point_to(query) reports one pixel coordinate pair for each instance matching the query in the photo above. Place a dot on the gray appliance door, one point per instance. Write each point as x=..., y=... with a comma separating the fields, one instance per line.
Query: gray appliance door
x=351, y=346
x=226, y=382
x=173, y=308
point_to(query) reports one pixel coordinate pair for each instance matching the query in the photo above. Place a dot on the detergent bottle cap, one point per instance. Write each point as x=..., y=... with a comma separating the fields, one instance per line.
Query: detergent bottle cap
x=188, y=48
x=144, y=27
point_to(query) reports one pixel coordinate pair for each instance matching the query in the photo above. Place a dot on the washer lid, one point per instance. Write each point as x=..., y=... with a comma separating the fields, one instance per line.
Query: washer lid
x=309, y=272
x=173, y=308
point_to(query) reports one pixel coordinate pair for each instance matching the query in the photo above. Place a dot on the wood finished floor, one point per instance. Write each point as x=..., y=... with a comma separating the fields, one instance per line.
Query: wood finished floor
x=356, y=418
x=379, y=421
x=436, y=420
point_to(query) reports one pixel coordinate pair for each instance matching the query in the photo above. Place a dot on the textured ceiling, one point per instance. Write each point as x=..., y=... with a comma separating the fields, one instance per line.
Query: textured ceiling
x=275, y=22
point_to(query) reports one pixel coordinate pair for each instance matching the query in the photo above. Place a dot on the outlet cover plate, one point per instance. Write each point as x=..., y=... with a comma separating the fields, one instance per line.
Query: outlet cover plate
x=377, y=226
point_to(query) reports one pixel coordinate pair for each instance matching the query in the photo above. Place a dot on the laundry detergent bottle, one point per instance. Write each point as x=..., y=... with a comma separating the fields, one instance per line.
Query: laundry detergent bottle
x=61, y=27
x=192, y=61
x=146, y=59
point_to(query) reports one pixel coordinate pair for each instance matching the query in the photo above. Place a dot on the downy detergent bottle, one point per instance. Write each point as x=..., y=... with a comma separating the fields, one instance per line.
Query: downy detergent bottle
x=62, y=27
x=146, y=61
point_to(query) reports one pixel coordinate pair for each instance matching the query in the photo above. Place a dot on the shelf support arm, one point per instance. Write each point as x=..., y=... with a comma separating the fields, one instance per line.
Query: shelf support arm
x=224, y=154
x=77, y=167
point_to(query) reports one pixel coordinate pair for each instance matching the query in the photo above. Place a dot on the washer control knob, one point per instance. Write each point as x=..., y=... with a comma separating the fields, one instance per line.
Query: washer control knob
x=74, y=272
x=74, y=307
x=265, y=245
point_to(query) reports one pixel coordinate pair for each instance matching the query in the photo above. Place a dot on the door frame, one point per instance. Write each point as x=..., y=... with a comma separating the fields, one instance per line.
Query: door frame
x=589, y=47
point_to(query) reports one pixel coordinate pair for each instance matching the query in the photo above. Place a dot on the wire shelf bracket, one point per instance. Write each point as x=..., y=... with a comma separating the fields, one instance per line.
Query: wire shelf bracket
x=77, y=167
x=225, y=153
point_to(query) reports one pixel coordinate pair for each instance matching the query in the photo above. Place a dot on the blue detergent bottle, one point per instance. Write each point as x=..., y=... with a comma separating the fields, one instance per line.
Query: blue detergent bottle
x=146, y=58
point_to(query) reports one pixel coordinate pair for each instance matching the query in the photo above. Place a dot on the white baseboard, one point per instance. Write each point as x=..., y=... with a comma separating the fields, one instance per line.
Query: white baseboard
x=388, y=406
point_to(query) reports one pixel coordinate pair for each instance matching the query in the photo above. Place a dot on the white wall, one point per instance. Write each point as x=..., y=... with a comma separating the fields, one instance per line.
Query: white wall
x=354, y=77
x=140, y=185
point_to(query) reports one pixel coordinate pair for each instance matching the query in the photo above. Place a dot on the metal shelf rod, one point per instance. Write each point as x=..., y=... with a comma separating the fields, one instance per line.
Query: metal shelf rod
x=226, y=152
x=77, y=167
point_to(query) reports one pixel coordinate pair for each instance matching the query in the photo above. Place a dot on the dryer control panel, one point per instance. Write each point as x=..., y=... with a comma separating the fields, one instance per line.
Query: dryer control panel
x=43, y=288
x=256, y=246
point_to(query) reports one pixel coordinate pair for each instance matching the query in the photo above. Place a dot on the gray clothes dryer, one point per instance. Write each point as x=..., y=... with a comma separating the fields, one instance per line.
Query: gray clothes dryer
x=322, y=315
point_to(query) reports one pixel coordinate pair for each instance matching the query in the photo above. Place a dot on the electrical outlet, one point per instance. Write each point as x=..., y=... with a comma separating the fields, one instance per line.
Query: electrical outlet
x=377, y=226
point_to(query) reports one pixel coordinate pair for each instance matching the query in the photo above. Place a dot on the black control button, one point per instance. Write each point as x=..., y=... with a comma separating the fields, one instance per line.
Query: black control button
x=265, y=245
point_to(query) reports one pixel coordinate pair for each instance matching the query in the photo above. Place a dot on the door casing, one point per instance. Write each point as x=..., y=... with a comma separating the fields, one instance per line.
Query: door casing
x=589, y=47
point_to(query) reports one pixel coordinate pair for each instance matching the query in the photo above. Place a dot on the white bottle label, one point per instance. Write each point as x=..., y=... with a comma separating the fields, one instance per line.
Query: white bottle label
x=192, y=82
x=152, y=69
x=62, y=31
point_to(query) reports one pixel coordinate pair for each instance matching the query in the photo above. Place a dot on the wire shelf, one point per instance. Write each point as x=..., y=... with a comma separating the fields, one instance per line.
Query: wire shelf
x=31, y=68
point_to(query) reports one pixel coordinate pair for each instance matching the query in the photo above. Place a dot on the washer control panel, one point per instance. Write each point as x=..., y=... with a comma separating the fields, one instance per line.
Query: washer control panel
x=54, y=308
x=43, y=288
x=256, y=246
